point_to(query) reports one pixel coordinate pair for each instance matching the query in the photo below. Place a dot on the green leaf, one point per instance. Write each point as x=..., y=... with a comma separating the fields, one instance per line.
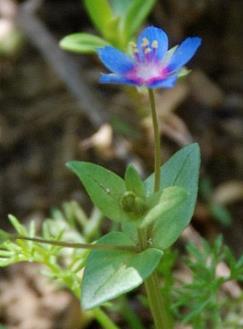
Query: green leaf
x=120, y=7
x=2, y=326
x=83, y=43
x=182, y=169
x=113, y=33
x=4, y=236
x=183, y=72
x=130, y=229
x=134, y=182
x=171, y=198
x=100, y=13
x=109, y=274
x=104, y=187
x=20, y=229
x=221, y=214
x=136, y=14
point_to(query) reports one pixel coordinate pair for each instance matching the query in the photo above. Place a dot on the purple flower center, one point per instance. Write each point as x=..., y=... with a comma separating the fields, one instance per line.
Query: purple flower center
x=146, y=74
x=147, y=68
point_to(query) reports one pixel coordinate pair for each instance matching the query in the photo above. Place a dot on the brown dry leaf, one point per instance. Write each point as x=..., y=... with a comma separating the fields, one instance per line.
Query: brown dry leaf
x=205, y=90
x=202, y=212
x=168, y=100
x=228, y=192
x=170, y=124
x=8, y=8
x=29, y=301
x=175, y=128
x=101, y=141
x=231, y=287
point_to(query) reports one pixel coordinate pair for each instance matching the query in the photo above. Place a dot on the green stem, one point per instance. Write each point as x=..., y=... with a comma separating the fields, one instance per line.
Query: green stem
x=162, y=319
x=161, y=316
x=103, y=319
x=97, y=246
x=157, y=158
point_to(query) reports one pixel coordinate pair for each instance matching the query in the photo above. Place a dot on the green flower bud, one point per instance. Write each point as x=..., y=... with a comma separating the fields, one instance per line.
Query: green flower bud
x=139, y=206
x=128, y=201
x=133, y=204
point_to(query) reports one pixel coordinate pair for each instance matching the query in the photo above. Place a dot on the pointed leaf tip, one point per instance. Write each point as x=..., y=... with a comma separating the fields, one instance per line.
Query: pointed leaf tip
x=181, y=170
x=134, y=182
x=104, y=188
x=82, y=43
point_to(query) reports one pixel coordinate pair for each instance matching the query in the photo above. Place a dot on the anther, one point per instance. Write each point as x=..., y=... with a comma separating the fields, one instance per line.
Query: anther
x=132, y=44
x=155, y=44
x=147, y=50
x=145, y=42
x=134, y=48
x=135, y=51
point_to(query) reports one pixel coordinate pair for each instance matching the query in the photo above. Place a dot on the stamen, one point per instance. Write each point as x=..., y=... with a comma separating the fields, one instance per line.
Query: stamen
x=136, y=54
x=155, y=44
x=147, y=50
x=132, y=44
x=145, y=42
x=134, y=49
x=148, y=53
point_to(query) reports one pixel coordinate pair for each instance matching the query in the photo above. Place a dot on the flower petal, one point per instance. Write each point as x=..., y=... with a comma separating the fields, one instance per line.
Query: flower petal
x=152, y=34
x=165, y=83
x=115, y=60
x=183, y=53
x=116, y=79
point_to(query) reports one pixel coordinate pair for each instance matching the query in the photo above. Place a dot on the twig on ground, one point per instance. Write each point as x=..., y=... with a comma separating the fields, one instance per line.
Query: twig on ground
x=65, y=67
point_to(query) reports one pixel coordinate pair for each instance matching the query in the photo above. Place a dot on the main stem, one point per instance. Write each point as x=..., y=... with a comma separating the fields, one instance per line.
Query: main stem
x=156, y=142
x=161, y=317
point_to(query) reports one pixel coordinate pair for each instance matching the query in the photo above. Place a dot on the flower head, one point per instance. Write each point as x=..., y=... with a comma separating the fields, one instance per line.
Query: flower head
x=151, y=65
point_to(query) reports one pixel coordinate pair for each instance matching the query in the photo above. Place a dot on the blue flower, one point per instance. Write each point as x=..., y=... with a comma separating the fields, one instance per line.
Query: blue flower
x=151, y=65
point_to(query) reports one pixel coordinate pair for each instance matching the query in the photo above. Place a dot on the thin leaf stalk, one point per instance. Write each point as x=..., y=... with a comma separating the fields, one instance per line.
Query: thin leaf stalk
x=103, y=319
x=95, y=246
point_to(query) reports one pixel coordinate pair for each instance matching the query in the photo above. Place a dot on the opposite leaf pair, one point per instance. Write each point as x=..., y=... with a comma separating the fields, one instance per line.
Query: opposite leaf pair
x=110, y=274
x=126, y=200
